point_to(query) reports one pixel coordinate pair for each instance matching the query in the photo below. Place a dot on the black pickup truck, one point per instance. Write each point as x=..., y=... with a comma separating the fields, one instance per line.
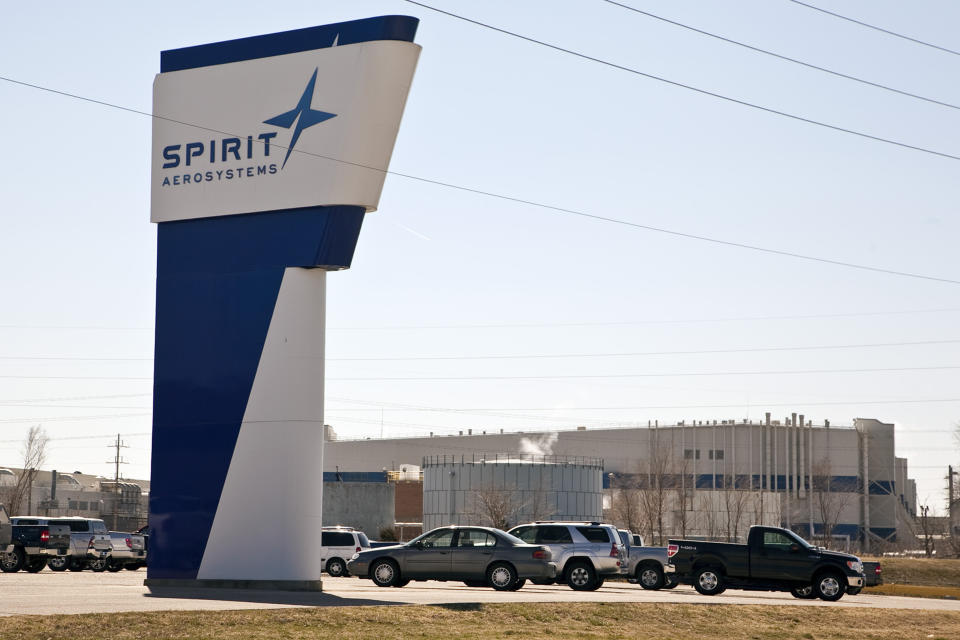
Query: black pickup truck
x=35, y=540
x=773, y=559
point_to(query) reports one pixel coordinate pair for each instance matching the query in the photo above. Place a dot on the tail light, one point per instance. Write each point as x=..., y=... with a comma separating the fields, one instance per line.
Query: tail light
x=672, y=550
x=614, y=551
x=45, y=535
x=359, y=549
x=129, y=543
x=877, y=570
x=542, y=554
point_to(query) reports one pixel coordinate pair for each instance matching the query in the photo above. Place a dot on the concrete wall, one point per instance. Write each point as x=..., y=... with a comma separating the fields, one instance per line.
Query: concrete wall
x=368, y=506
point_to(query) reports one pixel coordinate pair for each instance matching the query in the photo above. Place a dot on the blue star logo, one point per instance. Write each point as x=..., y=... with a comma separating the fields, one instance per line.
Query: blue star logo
x=302, y=114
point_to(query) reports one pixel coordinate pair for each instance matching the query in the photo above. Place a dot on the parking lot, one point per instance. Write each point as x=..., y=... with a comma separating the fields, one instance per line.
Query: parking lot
x=86, y=592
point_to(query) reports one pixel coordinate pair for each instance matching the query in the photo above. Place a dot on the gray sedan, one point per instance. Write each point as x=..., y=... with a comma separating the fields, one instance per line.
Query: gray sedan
x=479, y=556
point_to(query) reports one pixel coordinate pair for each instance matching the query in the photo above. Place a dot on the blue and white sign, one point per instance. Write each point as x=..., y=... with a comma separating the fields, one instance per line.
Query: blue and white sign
x=294, y=131
x=310, y=128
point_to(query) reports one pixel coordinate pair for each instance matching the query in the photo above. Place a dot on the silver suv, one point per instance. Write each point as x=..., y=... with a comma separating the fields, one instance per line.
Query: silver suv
x=585, y=552
x=337, y=545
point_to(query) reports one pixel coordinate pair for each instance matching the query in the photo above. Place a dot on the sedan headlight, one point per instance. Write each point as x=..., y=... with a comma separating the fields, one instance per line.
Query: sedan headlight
x=355, y=556
x=855, y=565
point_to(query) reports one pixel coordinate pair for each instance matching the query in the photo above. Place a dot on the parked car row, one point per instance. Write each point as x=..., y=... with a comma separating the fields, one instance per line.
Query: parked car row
x=579, y=554
x=69, y=543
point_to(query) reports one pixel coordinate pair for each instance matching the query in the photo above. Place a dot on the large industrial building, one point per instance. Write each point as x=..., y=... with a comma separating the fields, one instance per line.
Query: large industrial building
x=834, y=481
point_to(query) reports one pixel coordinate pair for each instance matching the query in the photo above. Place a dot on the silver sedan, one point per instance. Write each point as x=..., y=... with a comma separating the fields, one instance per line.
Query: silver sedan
x=478, y=556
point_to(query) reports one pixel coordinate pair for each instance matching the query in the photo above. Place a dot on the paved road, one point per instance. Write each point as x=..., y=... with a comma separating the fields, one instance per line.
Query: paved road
x=86, y=592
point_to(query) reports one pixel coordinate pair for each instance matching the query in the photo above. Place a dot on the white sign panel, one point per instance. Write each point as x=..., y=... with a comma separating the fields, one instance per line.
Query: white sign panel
x=298, y=130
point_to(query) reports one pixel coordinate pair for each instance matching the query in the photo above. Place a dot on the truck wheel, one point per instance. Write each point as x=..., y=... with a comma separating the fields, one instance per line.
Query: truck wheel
x=99, y=565
x=804, y=593
x=58, y=563
x=336, y=567
x=13, y=561
x=113, y=566
x=708, y=582
x=669, y=582
x=36, y=564
x=650, y=576
x=76, y=565
x=829, y=586
x=501, y=576
x=385, y=573
x=582, y=577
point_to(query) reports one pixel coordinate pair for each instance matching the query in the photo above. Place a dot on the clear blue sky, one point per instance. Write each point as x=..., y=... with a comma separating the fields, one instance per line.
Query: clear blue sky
x=444, y=273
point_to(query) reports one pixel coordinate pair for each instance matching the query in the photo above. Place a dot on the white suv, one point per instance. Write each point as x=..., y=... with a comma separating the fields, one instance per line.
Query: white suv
x=585, y=552
x=337, y=545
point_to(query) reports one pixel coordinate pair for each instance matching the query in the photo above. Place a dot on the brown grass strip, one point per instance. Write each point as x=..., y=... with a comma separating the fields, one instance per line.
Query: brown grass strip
x=528, y=620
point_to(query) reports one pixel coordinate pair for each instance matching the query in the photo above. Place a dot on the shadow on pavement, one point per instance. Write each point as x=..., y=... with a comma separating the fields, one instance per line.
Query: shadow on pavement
x=293, y=598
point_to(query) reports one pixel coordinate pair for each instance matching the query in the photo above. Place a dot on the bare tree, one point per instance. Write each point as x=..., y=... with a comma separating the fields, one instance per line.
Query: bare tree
x=683, y=497
x=655, y=495
x=828, y=504
x=735, y=502
x=709, y=516
x=625, y=505
x=34, y=450
x=499, y=508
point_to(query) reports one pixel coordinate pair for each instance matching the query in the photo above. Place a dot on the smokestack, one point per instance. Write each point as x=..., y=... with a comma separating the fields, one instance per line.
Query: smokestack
x=53, y=485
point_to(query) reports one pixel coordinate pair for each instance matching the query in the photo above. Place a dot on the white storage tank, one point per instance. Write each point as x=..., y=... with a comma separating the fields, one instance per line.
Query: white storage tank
x=503, y=490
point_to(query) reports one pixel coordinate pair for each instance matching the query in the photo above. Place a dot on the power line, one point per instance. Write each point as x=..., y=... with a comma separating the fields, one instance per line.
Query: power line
x=687, y=86
x=574, y=212
x=876, y=28
x=783, y=57
x=647, y=353
x=558, y=355
x=741, y=405
x=513, y=325
x=697, y=320
x=642, y=375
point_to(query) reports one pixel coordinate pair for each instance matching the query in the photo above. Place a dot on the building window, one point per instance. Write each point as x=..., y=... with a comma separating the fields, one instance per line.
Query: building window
x=691, y=454
x=716, y=454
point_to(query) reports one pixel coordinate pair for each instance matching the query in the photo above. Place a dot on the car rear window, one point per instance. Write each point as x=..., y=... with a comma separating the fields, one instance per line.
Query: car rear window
x=554, y=535
x=594, y=534
x=527, y=534
x=364, y=542
x=336, y=539
x=75, y=525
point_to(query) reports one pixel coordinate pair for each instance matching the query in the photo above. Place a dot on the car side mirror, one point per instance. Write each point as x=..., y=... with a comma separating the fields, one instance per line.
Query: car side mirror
x=418, y=544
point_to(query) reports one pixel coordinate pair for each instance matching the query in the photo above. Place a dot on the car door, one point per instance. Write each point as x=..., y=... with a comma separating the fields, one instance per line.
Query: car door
x=781, y=557
x=432, y=556
x=472, y=554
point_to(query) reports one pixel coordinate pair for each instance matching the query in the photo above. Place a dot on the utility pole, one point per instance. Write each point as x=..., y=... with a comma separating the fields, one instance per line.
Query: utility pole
x=952, y=500
x=117, y=461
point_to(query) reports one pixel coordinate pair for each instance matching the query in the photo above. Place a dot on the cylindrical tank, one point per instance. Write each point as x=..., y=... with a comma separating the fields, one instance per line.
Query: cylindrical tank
x=503, y=490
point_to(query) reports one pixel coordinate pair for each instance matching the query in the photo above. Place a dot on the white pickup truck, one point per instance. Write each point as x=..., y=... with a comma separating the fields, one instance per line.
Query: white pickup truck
x=129, y=551
x=90, y=545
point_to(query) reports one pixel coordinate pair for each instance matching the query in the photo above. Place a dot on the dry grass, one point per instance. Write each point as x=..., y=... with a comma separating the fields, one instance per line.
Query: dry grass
x=939, y=572
x=484, y=621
